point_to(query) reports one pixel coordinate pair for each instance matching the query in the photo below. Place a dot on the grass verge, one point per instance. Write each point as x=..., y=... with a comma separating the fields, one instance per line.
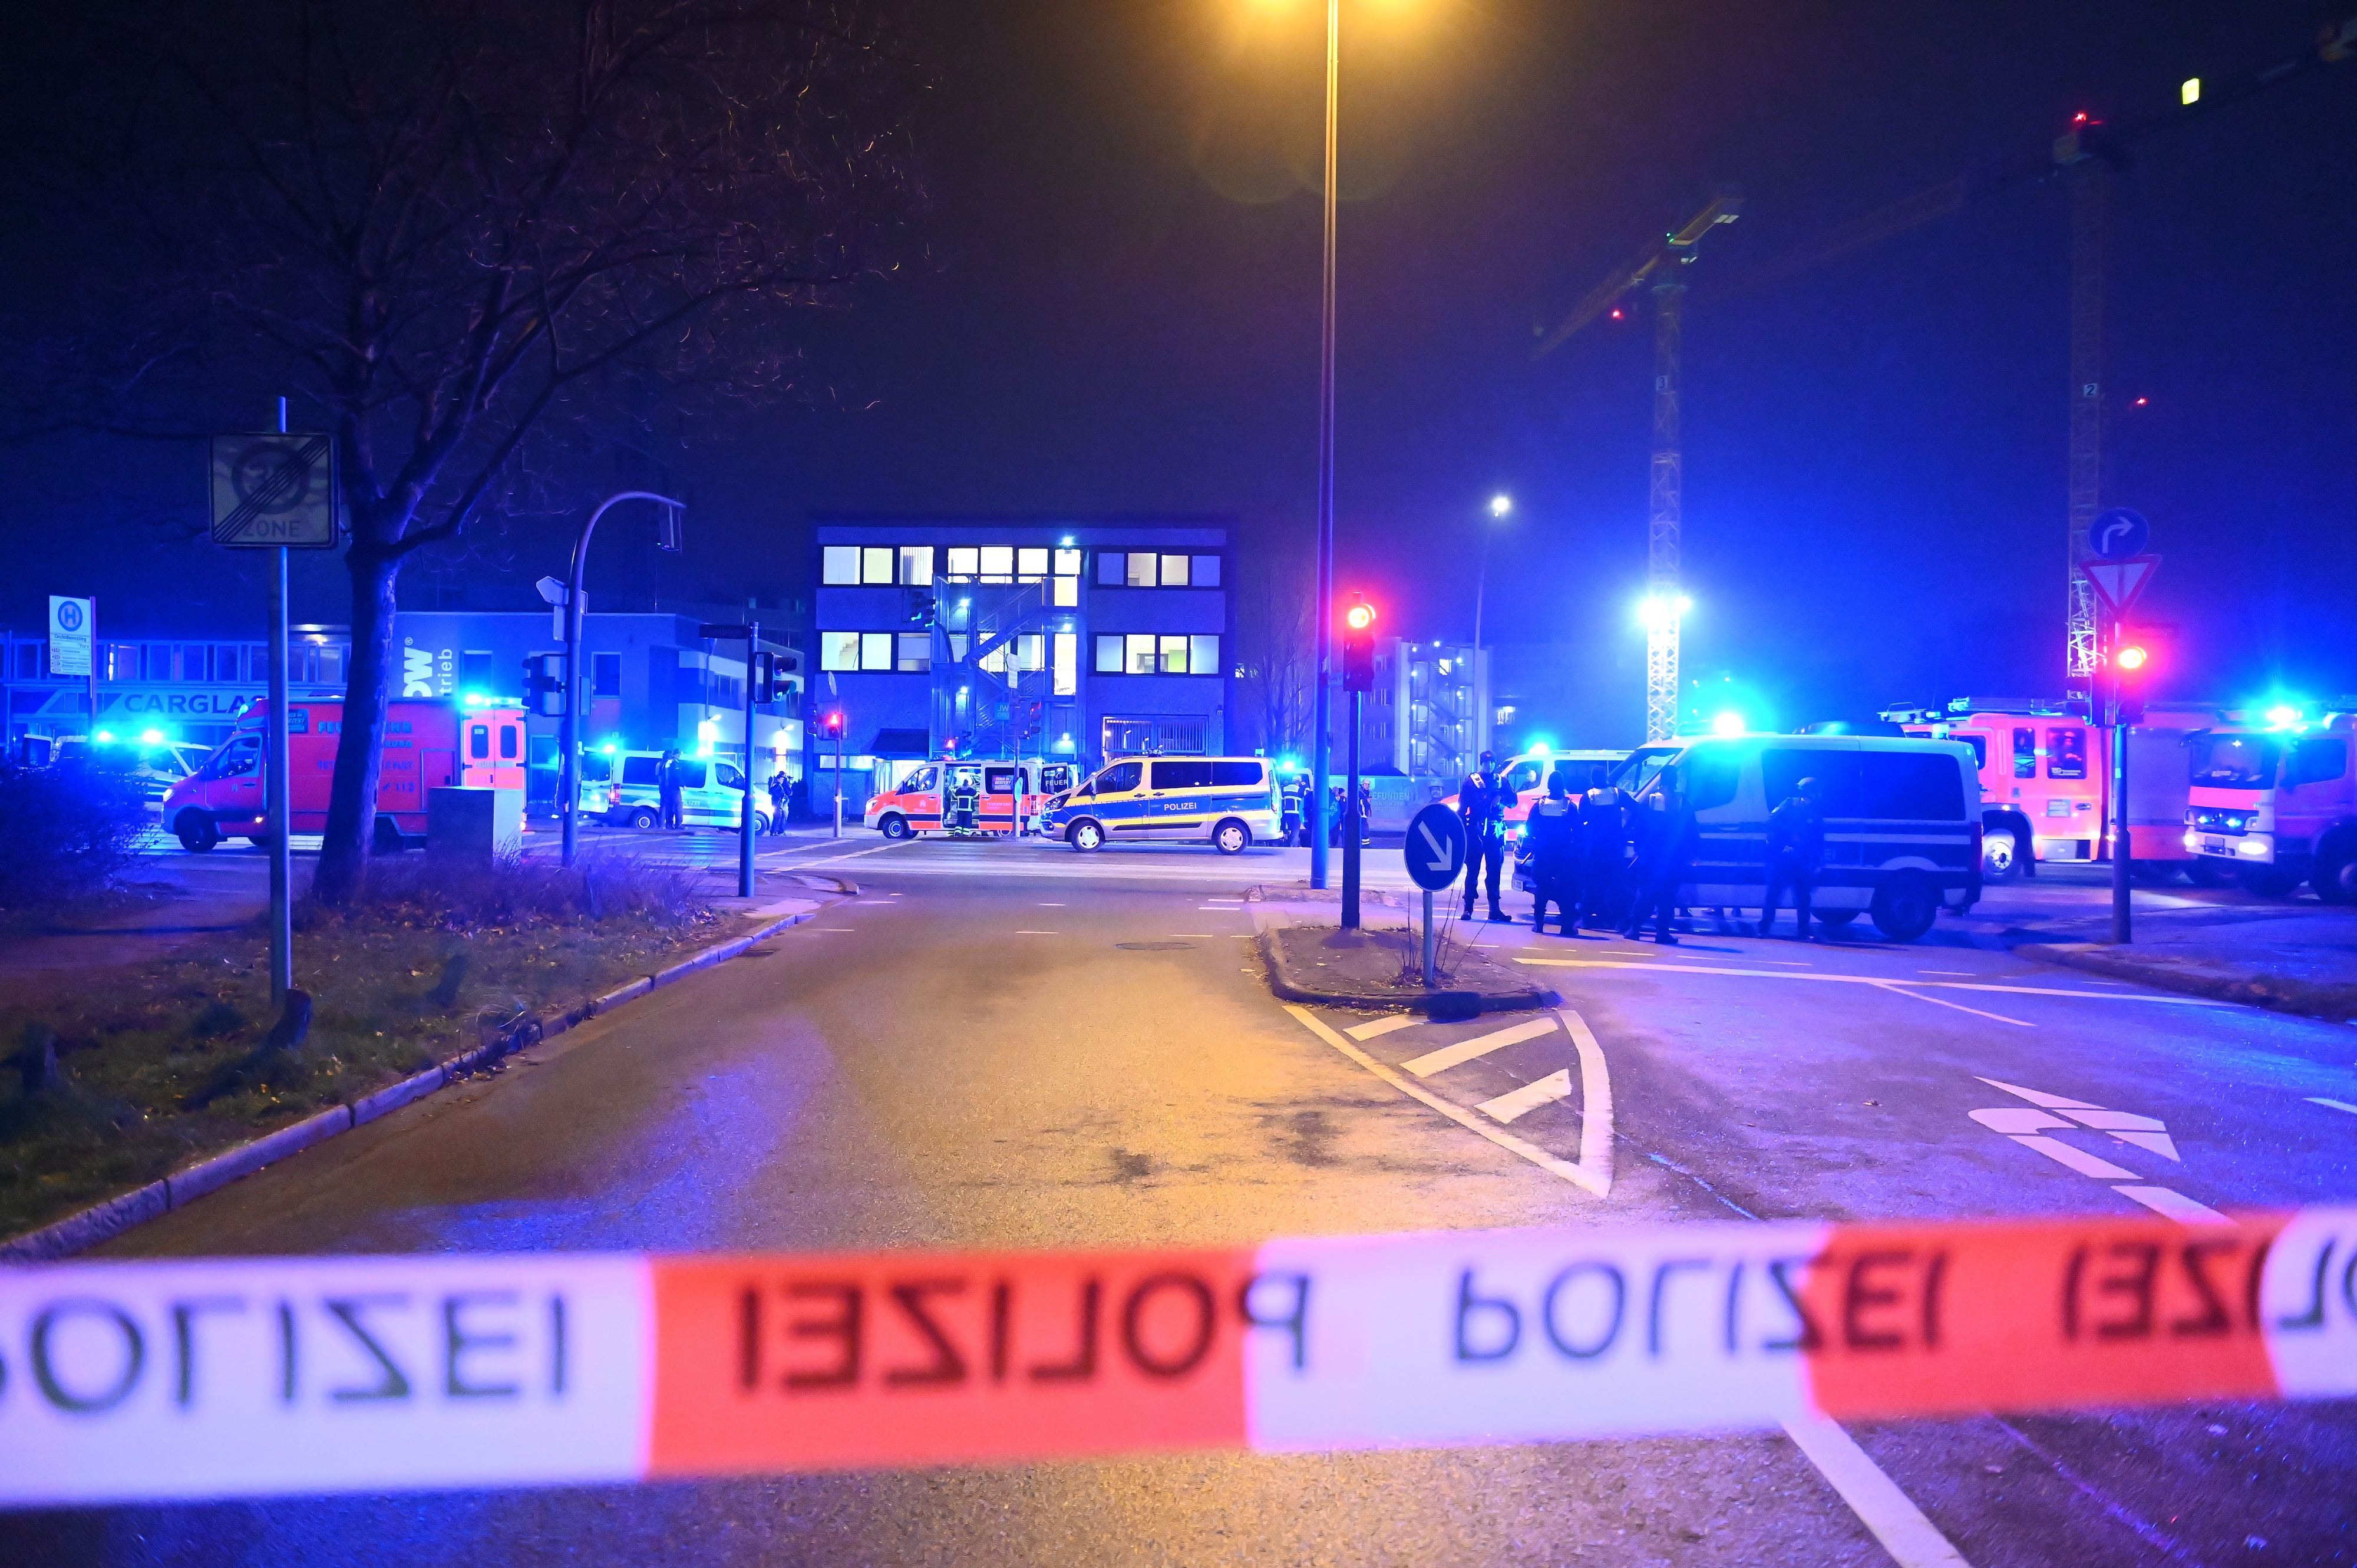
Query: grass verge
x=162, y=1062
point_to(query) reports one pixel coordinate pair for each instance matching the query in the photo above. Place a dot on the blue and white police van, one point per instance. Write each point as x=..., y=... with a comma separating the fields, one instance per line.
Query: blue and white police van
x=1228, y=802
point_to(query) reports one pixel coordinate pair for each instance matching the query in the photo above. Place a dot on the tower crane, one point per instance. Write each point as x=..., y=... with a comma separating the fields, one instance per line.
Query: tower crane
x=1660, y=265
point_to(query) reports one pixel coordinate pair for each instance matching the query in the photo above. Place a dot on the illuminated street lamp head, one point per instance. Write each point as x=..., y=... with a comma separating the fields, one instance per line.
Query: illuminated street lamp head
x=1499, y=505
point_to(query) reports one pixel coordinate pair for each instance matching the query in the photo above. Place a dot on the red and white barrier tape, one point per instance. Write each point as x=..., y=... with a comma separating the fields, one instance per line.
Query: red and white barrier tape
x=211, y=1378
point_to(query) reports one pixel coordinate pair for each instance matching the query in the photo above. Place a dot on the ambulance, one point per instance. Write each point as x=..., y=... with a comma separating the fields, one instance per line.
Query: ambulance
x=2273, y=807
x=426, y=745
x=960, y=797
x=2045, y=776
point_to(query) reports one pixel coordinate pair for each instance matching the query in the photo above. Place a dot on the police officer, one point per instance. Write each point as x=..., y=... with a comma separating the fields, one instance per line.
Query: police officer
x=1481, y=804
x=668, y=790
x=1603, y=852
x=1796, y=848
x=1666, y=835
x=777, y=787
x=1552, y=835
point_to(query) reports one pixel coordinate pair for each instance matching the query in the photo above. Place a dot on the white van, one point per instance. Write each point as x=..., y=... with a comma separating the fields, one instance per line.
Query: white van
x=711, y=794
x=1902, y=822
x=1228, y=802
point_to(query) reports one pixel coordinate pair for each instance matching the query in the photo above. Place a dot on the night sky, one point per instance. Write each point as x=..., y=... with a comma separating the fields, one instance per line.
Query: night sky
x=1116, y=315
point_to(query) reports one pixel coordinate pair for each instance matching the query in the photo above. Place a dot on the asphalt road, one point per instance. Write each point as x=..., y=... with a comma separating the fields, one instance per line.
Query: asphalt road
x=1004, y=1045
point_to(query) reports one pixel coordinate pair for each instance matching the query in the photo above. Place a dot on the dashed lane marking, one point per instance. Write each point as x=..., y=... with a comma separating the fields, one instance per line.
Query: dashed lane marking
x=1882, y=980
x=1520, y=1101
x=1039, y=933
x=2332, y=1105
x=1591, y=1173
x=1368, y=1030
x=2172, y=1203
x=1912, y=1541
x=1480, y=1046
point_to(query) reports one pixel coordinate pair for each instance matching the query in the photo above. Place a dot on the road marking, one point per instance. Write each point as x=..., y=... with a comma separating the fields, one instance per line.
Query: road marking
x=2051, y=1101
x=1448, y=1057
x=2176, y=1205
x=1194, y=936
x=1877, y=980
x=2332, y=1105
x=2078, y=1159
x=1517, y=1102
x=1912, y=1541
x=831, y=927
x=1899, y=988
x=1039, y=933
x=1593, y=1174
x=1368, y=1030
x=1057, y=905
x=1953, y=973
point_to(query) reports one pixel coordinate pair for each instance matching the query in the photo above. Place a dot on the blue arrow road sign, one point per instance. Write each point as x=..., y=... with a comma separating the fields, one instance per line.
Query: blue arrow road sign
x=1435, y=848
x=2118, y=533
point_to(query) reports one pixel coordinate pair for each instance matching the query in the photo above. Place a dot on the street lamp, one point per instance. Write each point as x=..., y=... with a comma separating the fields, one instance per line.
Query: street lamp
x=1502, y=506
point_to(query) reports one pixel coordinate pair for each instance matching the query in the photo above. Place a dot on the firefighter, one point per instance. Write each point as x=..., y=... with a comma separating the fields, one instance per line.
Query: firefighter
x=1603, y=852
x=1481, y=804
x=1666, y=836
x=1552, y=835
x=1796, y=848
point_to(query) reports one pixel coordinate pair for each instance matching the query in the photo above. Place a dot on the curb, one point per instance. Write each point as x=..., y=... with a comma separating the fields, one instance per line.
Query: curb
x=2334, y=1004
x=1436, y=1003
x=87, y=1227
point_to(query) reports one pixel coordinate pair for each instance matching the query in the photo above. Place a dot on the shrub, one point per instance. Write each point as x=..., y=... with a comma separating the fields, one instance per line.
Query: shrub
x=456, y=896
x=70, y=830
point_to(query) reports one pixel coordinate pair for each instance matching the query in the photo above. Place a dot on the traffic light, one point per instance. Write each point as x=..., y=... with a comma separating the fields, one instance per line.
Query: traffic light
x=2132, y=662
x=767, y=686
x=831, y=725
x=922, y=607
x=1359, y=647
x=544, y=685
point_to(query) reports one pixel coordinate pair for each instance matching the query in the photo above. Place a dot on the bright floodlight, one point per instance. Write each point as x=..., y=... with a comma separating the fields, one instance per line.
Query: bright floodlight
x=1660, y=611
x=1499, y=505
x=1728, y=723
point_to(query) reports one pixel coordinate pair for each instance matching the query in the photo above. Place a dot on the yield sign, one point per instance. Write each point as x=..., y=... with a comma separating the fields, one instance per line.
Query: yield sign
x=2118, y=583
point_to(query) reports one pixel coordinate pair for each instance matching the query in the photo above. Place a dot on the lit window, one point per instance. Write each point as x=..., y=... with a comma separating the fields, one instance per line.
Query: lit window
x=1174, y=656
x=1068, y=563
x=1066, y=594
x=1031, y=564
x=998, y=563
x=1206, y=572
x=1111, y=568
x=964, y=560
x=1203, y=655
x=916, y=565
x=1174, y=571
x=1137, y=649
x=875, y=565
x=840, y=565
x=1068, y=663
x=875, y=650
x=1140, y=571
x=916, y=650
x=838, y=650
x=1108, y=654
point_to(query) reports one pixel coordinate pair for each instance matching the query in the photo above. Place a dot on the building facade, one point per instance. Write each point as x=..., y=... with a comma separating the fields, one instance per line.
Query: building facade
x=997, y=639
x=1424, y=717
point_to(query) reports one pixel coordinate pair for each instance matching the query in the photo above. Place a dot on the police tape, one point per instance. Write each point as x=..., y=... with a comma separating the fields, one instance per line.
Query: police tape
x=154, y=1380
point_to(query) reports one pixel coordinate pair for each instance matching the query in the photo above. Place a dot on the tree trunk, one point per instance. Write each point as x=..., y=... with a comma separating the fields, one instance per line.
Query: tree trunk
x=359, y=749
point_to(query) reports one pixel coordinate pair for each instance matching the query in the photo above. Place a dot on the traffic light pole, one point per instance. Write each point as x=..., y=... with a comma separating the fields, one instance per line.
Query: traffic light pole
x=1350, y=826
x=2123, y=846
x=744, y=823
x=839, y=728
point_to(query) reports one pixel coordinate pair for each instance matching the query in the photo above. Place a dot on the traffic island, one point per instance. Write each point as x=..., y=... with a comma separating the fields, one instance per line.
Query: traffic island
x=2214, y=976
x=1325, y=966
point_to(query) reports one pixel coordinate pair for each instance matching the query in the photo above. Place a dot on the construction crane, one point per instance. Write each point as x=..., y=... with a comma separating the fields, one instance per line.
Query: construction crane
x=1661, y=263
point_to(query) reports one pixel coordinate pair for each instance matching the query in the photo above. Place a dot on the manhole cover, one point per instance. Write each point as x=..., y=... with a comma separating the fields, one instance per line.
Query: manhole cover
x=1154, y=947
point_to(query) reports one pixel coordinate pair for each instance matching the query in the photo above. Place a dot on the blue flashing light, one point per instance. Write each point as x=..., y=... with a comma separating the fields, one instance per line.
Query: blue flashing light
x=1729, y=723
x=1541, y=748
x=106, y=737
x=608, y=749
x=475, y=699
x=2283, y=715
x=1065, y=743
x=1288, y=764
x=150, y=737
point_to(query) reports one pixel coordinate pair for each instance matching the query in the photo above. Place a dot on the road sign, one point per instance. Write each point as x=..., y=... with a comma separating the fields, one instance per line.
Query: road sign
x=1435, y=848
x=70, y=624
x=2119, y=534
x=274, y=491
x=2117, y=583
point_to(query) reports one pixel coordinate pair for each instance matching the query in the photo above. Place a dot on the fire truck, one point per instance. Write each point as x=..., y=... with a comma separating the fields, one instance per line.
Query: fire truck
x=2046, y=780
x=2278, y=807
x=963, y=798
x=426, y=745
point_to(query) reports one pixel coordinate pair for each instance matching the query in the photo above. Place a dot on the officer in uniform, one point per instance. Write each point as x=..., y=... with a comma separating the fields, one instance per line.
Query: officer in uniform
x=1481, y=804
x=1553, y=835
x=1796, y=848
x=1603, y=852
x=1666, y=836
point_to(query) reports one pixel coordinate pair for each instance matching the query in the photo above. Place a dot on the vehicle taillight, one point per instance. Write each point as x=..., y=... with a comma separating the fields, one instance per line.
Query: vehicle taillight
x=613, y=794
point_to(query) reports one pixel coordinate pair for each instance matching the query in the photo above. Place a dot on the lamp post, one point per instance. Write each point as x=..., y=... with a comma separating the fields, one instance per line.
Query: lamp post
x=1322, y=700
x=568, y=778
x=1500, y=507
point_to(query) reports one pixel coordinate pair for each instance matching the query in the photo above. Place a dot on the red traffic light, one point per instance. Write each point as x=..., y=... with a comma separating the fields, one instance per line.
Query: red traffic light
x=834, y=725
x=1361, y=617
x=2131, y=660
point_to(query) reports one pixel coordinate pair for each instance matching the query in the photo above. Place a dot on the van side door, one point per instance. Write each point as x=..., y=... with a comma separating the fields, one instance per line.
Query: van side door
x=1180, y=787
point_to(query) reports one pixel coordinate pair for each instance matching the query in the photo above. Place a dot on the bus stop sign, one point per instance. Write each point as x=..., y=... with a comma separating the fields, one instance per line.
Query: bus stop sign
x=1435, y=848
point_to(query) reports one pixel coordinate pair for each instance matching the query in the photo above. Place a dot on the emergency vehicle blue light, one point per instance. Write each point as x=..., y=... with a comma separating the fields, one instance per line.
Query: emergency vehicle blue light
x=1728, y=723
x=475, y=699
x=608, y=749
x=2283, y=715
x=106, y=737
x=1541, y=748
x=150, y=737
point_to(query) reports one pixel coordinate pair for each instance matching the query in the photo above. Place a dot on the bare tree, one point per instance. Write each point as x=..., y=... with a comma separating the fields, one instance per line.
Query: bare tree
x=1275, y=652
x=453, y=229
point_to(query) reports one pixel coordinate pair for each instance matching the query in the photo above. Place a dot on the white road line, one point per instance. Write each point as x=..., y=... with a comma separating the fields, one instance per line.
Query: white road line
x=2078, y=1159
x=1952, y=974
x=1582, y=1175
x=1877, y=979
x=2176, y=1205
x=1039, y=933
x=1912, y=1541
x=2332, y=1105
x=1521, y=1101
x=1899, y=988
x=1056, y=905
x=1193, y=936
x=1372, y=1027
x=1448, y=1057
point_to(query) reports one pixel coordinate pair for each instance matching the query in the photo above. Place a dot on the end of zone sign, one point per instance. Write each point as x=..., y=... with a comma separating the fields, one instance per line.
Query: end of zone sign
x=274, y=491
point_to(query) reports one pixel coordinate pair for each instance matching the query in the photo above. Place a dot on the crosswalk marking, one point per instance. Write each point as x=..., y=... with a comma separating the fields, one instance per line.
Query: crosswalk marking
x=1554, y=1086
x=1368, y=1031
x=1448, y=1057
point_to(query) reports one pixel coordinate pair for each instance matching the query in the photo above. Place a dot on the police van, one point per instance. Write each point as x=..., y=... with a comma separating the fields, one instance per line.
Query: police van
x=1228, y=802
x=1902, y=822
x=711, y=792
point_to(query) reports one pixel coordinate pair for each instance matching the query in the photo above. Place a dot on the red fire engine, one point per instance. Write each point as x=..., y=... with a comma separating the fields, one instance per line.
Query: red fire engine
x=2277, y=806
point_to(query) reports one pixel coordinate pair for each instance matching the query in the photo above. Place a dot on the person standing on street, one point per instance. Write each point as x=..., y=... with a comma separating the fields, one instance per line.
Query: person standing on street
x=1553, y=834
x=667, y=784
x=1482, y=803
x=1796, y=848
x=1603, y=852
x=777, y=787
x=1666, y=837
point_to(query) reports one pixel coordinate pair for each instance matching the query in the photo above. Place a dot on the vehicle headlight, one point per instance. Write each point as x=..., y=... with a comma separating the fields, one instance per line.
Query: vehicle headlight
x=2193, y=841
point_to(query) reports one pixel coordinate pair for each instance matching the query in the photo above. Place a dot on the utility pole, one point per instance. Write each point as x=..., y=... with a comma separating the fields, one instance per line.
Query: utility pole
x=276, y=781
x=568, y=778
